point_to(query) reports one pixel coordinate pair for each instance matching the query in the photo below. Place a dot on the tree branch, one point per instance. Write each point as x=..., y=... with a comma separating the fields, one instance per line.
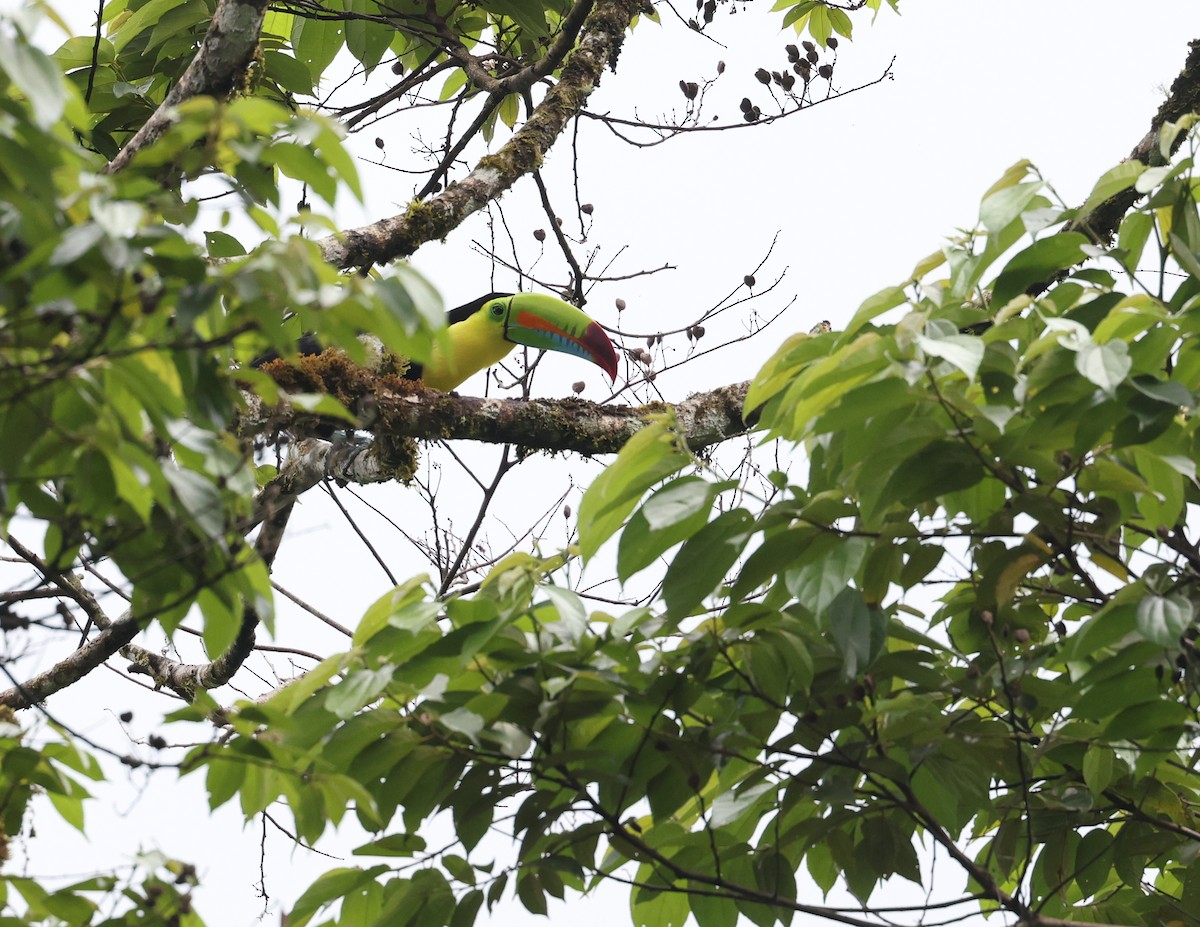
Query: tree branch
x=400, y=410
x=600, y=42
x=226, y=52
x=1101, y=223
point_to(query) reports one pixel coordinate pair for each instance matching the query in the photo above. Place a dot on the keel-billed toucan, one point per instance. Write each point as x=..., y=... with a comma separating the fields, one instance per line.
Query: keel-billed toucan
x=483, y=332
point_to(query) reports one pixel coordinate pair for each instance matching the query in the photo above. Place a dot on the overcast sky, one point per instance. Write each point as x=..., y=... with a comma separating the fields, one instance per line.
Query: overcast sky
x=856, y=191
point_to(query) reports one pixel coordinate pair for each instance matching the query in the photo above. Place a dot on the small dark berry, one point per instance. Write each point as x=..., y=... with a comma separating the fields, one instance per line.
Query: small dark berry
x=749, y=280
x=620, y=305
x=397, y=67
x=826, y=71
x=763, y=75
x=831, y=42
x=587, y=209
x=812, y=56
x=577, y=386
x=720, y=67
x=126, y=716
x=746, y=105
x=793, y=52
x=378, y=143
x=539, y=234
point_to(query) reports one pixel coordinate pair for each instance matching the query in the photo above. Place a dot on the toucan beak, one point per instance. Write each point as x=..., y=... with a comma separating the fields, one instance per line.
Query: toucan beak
x=549, y=324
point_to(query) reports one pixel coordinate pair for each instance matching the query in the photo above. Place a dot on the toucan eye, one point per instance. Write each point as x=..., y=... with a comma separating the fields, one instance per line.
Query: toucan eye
x=497, y=309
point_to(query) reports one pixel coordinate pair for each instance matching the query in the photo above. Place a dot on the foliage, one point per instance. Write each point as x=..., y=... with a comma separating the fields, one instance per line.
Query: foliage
x=972, y=624
x=969, y=624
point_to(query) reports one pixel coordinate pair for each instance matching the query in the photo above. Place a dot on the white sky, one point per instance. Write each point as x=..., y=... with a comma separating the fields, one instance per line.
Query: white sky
x=858, y=190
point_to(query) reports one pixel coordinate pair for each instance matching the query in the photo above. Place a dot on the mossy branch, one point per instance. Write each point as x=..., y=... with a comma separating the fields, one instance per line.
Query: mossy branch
x=600, y=42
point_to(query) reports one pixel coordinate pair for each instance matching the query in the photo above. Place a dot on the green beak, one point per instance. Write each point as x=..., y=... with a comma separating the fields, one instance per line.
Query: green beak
x=549, y=324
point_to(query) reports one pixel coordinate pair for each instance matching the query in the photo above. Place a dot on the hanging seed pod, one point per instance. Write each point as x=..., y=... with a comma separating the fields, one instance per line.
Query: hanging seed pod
x=746, y=105
x=697, y=332
x=749, y=280
x=691, y=89
x=720, y=67
x=832, y=42
x=826, y=71
x=802, y=67
x=763, y=75
x=808, y=46
x=710, y=9
x=577, y=387
x=787, y=82
x=379, y=143
x=539, y=234
x=566, y=511
x=649, y=341
x=587, y=209
x=752, y=115
x=777, y=77
x=620, y=305
x=793, y=52
x=397, y=67
x=812, y=57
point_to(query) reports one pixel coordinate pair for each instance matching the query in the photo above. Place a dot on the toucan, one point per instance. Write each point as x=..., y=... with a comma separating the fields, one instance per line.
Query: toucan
x=483, y=332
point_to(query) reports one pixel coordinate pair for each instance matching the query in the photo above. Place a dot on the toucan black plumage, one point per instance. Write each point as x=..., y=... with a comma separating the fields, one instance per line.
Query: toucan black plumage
x=483, y=332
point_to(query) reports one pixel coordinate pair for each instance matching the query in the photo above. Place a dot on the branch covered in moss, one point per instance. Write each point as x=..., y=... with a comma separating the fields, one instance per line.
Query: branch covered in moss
x=600, y=42
x=397, y=411
x=219, y=65
x=1184, y=97
x=575, y=425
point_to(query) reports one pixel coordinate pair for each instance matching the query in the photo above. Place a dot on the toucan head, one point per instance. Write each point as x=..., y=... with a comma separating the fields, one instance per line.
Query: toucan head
x=549, y=324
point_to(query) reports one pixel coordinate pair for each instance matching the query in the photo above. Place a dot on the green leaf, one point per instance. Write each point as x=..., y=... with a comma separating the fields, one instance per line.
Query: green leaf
x=651, y=455
x=1106, y=365
x=528, y=14
x=367, y=41
x=292, y=75
x=670, y=516
x=874, y=306
x=819, y=581
x=658, y=909
x=317, y=41
x=36, y=76
x=400, y=845
x=1038, y=264
x=858, y=630
x=1163, y=618
x=1112, y=182
x=223, y=245
x=963, y=351
x=703, y=561
x=1001, y=208
x=360, y=688
x=333, y=885
x=1098, y=768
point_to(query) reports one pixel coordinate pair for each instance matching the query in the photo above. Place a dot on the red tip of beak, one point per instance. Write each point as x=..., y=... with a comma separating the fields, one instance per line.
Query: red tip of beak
x=601, y=349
